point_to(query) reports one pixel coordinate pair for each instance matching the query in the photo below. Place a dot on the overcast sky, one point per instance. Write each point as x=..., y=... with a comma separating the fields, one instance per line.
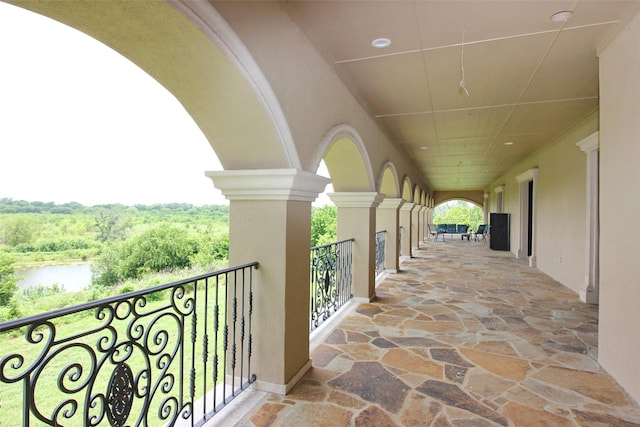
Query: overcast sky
x=79, y=122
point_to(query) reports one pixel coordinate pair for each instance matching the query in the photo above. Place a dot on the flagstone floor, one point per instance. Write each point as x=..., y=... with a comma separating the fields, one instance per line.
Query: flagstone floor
x=461, y=336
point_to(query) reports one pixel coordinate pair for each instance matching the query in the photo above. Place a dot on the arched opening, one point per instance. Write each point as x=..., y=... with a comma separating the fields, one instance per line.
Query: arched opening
x=388, y=181
x=406, y=190
x=94, y=128
x=388, y=221
x=323, y=213
x=114, y=131
x=347, y=166
x=459, y=211
x=201, y=61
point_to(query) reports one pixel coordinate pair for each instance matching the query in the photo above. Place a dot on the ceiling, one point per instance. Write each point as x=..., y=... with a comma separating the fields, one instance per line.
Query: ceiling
x=528, y=78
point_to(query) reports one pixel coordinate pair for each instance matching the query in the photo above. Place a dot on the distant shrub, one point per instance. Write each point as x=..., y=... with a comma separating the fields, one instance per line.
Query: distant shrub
x=163, y=248
x=8, y=282
x=126, y=288
x=40, y=291
x=49, y=245
x=19, y=230
x=212, y=248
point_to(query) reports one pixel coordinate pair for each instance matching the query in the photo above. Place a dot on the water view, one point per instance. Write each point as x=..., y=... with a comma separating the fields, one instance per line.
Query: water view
x=73, y=277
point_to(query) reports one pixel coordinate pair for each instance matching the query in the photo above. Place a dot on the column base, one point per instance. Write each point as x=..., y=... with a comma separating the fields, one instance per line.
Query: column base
x=283, y=389
x=363, y=300
x=588, y=294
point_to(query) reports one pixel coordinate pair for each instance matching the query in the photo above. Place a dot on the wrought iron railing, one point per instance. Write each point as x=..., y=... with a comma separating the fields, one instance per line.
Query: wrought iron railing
x=330, y=279
x=174, y=353
x=380, y=241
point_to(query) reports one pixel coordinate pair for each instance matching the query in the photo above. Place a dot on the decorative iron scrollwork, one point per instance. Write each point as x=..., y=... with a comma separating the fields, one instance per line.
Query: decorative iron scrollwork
x=330, y=279
x=130, y=359
x=380, y=251
x=120, y=395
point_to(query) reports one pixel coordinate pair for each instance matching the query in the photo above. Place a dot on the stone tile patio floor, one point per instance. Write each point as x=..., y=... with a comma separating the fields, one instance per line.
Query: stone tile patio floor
x=461, y=336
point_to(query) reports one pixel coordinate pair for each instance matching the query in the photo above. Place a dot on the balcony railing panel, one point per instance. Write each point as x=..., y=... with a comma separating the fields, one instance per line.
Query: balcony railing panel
x=380, y=242
x=144, y=358
x=330, y=279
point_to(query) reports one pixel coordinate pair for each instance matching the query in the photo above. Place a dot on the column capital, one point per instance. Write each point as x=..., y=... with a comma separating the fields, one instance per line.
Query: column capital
x=407, y=206
x=356, y=199
x=391, y=203
x=268, y=184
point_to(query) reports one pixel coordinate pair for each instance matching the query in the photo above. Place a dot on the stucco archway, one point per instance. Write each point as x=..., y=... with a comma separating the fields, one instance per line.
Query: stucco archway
x=347, y=160
x=388, y=183
x=221, y=87
x=475, y=197
x=407, y=195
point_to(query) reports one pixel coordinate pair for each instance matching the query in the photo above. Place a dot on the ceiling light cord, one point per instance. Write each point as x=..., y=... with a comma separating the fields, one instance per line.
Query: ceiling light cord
x=462, y=82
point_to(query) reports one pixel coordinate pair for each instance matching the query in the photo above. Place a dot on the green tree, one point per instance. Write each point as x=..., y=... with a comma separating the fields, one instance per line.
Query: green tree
x=110, y=223
x=19, y=230
x=324, y=225
x=460, y=213
x=105, y=270
x=213, y=247
x=164, y=247
x=8, y=282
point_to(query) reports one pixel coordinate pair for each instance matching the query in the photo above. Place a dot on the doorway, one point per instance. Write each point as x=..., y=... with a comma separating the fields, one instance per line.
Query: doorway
x=526, y=248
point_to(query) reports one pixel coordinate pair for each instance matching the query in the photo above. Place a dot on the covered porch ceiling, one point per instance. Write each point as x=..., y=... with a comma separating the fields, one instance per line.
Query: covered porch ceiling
x=466, y=88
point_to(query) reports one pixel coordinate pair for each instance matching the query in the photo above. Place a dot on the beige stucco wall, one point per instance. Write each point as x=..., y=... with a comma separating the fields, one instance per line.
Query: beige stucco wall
x=560, y=204
x=619, y=340
x=561, y=208
x=284, y=267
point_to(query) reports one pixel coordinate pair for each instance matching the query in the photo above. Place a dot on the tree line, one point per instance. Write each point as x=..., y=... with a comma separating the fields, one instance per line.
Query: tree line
x=121, y=242
x=127, y=246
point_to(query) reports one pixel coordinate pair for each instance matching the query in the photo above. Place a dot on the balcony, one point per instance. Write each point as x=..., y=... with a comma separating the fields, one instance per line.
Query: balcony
x=460, y=336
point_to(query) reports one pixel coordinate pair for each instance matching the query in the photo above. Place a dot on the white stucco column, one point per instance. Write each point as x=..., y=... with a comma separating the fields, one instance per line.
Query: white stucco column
x=388, y=219
x=357, y=220
x=270, y=222
x=415, y=226
x=589, y=291
x=524, y=179
x=422, y=214
x=407, y=227
x=485, y=209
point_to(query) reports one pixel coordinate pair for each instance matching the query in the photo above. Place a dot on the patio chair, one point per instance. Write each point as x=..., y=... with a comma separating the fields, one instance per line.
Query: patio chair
x=433, y=231
x=482, y=231
x=463, y=231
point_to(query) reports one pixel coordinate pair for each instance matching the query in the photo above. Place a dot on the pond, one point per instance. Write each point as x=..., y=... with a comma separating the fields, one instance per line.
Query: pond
x=74, y=277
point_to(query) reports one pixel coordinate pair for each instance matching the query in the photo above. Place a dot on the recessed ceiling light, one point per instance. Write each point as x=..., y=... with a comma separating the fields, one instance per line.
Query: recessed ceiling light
x=424, y=148
x=508, y=143
x=381, y=42
x=562, y=16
